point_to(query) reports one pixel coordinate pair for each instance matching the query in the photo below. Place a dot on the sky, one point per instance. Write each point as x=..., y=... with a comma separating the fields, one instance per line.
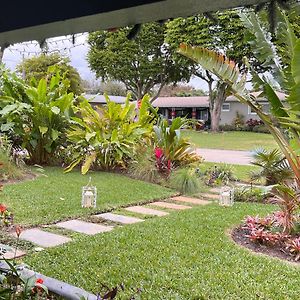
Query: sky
x=77, y=54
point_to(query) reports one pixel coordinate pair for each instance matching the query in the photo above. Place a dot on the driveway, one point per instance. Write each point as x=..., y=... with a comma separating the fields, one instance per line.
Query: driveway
x=225, y=156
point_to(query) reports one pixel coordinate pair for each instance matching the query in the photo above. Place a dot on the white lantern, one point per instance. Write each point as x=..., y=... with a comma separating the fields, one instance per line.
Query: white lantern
x=226, y=196
x=89, y=195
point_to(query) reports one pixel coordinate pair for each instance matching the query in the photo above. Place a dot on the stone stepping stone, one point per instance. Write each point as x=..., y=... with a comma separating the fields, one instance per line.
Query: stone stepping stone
x=215, y=190
x=11, y=252
x=43, y=238
x=190, y=200
x=211, y=196
x=119, y=218
x=170, y=205
x=146, y=211
x=84, y=227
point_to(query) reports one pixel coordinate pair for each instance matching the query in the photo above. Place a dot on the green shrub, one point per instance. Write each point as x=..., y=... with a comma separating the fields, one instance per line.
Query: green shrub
x=227, y=127
x=37, y=115
x=185, y=181
x=220, y=174
x=239, y=121
x=273, y=166
x=261, y=129
x=109, y=137
x=248, y=194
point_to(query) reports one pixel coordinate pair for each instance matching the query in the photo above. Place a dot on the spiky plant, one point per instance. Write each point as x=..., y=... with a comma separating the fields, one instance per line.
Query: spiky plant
x=273, y=166
x=185, y=181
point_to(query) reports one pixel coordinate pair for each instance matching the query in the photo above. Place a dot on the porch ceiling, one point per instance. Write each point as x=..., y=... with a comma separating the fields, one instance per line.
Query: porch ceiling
x=36, y=20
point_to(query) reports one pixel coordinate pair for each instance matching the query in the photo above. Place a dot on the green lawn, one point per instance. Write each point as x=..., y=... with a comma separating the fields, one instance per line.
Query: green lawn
x=232, y=140
x=57, y=195
x=186, y=255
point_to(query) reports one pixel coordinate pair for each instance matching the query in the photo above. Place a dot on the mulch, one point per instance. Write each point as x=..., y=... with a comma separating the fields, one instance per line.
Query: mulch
x=239, y=236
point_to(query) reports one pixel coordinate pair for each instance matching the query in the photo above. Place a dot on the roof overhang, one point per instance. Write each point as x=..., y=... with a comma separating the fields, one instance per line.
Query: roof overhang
x=35, y=20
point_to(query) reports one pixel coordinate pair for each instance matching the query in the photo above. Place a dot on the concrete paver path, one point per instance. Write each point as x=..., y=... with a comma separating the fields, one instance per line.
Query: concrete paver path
x=146, y=211
x=43, y=238
x=84, y=227
x=11, y=252
x=211, y=196
x=119, y=218
x=226, y=156
x=170, y=205
x=190, y=200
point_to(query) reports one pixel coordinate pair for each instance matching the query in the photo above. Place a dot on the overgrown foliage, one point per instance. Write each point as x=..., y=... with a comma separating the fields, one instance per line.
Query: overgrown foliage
x=37, y=67
x=108, y=138
x=36, y=116
x=175, y=148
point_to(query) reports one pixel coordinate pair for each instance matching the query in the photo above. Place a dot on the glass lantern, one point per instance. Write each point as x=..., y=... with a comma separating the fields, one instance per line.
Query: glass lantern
x=226, y=196
x=89, y=195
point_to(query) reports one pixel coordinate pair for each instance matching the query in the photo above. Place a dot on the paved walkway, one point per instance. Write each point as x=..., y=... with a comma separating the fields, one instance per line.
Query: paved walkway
x=225, y=156
x=46, y=239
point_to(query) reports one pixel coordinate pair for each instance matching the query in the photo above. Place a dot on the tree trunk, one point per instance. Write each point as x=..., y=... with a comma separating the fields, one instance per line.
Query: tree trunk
x=217, y=99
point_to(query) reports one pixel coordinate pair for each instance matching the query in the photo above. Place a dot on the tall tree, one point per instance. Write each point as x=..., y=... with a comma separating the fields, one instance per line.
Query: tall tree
x=140, y=63
x=37, y=67
x=223, y=32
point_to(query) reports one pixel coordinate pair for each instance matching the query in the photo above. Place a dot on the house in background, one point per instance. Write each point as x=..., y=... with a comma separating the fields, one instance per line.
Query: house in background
x=95, y=100
x=198, y=108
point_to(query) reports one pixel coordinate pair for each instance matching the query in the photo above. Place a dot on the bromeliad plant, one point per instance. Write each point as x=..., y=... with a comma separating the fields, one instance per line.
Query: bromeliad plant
x=109, y=137
x=36, y=115
x=173, y=149
x=283, y=122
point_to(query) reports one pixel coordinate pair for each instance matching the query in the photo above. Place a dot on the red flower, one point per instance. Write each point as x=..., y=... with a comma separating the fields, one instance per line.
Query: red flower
x=158, y=153
x=169, y=165
x=39, y=281
x=3, y=208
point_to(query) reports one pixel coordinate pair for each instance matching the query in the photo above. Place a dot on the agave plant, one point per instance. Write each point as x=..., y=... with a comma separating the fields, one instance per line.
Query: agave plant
x=285, y=114
x=109, y=137
x=273, y=166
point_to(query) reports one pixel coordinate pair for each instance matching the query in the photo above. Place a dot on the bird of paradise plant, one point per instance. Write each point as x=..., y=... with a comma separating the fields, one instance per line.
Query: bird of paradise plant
x=284, y=120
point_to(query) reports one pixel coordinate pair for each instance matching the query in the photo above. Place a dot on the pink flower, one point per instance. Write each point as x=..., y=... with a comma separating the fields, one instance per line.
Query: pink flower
x=158, y=152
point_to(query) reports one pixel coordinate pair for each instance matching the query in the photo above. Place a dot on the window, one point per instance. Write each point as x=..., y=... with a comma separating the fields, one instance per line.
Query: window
x=226, y=107
x=251, y=111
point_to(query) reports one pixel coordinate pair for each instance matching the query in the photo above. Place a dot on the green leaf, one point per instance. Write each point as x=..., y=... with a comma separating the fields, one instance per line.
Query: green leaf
x=88, y=162
x=89, y=135
x=55, y=110
x=54, y=134
x=295, y=66
x=7, y=126
x=43, y=129
x=42, y=90
x=8, y=109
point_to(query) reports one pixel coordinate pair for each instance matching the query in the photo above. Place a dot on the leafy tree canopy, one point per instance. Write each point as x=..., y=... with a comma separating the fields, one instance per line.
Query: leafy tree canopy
x=37, y=68
x=140, y=64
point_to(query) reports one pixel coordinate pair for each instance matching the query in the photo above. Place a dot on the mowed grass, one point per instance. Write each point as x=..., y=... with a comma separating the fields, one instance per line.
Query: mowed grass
x=232, y=140
x=186, y=255
x=57, y=196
